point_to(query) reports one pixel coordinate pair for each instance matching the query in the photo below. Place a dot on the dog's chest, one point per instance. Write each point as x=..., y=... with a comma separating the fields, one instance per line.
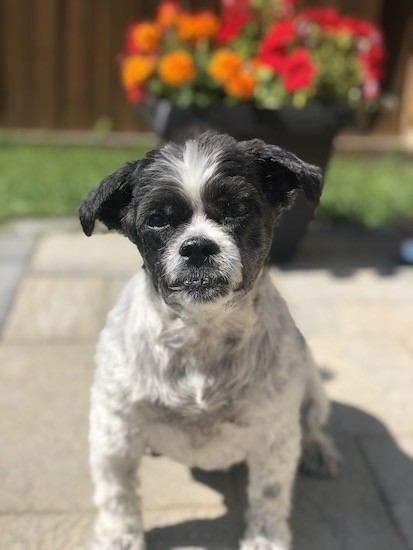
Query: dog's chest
x=196, y=413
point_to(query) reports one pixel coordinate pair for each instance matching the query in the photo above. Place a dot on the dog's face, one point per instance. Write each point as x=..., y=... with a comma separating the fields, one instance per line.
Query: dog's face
x=202, y=214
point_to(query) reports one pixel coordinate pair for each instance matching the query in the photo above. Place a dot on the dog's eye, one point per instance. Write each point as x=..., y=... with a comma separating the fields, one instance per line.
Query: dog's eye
x=235, y=209
x=157, y=220
x=238, y=209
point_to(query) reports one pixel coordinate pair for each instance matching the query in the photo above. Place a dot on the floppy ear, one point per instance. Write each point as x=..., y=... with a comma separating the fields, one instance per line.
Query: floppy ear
x=107, y=201
x=284, y=174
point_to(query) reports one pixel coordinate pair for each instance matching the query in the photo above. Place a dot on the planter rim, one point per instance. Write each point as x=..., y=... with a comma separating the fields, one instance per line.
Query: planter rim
x=338, y=114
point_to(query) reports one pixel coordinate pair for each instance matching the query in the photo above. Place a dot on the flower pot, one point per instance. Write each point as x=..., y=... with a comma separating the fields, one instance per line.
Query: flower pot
x=307, y=132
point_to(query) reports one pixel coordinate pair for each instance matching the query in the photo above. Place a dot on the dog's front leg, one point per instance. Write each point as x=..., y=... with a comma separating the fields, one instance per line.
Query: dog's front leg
x=272, y=470
x=116, y=447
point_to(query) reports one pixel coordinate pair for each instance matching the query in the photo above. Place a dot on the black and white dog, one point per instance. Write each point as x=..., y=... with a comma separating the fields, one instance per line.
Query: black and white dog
x=200, y=359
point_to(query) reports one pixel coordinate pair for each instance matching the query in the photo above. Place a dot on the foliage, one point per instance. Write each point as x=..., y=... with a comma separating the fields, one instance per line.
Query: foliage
x=261, y=51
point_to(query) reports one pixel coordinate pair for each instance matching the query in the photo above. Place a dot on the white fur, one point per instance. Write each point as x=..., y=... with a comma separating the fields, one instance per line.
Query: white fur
x=227, y=262
x=191, y=169
x=209, y=387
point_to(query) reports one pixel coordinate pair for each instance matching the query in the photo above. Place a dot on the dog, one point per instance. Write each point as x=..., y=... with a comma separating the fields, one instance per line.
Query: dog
x=200, y=359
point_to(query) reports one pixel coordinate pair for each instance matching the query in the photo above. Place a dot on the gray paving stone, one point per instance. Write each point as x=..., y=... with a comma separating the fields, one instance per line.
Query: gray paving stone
x=15, y=249
x=14, y=253
x=108, y=253
x=10, y=273
x=345, y=513
x=60, y=308
x=392, y=464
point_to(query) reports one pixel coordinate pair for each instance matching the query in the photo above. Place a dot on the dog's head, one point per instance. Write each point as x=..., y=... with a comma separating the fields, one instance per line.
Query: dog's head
x=202, y=215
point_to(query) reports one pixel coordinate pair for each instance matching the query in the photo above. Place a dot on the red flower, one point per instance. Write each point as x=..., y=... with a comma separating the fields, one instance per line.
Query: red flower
x=279, y=36
x=273, y=50
x=274, y=59
x=372, y=62
x=298, y=71
x=361, y=29
x=135, y=94
x=326, y=18
x=235, y=14
x=231, y=27
x=288, y=6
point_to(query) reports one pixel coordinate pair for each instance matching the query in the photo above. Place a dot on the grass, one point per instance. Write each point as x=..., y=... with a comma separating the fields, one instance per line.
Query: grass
x=372, y=190
x=40, y=181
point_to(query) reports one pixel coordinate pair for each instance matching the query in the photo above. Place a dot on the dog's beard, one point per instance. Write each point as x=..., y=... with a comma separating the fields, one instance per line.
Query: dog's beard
x=200, y=285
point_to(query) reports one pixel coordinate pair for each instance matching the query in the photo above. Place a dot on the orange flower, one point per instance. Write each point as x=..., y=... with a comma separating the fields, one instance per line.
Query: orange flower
x=176, y=68
x=241, y=85
x=136, y=69
x=143, y=37
x=167, y=13
x=197, y=26
x=224, y=65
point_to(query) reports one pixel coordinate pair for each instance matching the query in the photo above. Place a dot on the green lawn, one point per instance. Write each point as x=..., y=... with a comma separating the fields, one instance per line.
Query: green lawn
x=374, y=190
x=38, y=181
x=49, y=181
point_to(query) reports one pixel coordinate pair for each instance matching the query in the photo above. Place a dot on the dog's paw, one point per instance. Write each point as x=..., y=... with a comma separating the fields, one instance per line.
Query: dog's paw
x=262, y=543
x=124, y=542
x=320, y=457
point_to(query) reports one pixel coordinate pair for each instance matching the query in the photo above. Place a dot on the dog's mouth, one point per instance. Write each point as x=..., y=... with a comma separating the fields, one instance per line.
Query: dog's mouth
x=201, y=288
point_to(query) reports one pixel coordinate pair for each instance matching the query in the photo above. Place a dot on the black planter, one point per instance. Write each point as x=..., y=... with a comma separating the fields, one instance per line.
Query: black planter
x=307, y=132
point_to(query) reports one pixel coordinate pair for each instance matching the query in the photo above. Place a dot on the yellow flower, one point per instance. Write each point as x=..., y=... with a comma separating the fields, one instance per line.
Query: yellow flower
x=176, y=68
x=224, y=65
x=136, y=69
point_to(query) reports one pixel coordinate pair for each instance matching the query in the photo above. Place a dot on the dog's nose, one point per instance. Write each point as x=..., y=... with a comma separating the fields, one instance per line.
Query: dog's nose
x=198, y=250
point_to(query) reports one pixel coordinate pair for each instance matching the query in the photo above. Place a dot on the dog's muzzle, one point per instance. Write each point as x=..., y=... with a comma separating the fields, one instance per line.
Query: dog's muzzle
x=200, y=280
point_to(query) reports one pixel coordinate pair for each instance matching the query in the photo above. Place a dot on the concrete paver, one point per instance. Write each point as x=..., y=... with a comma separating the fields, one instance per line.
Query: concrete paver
x=358, y=322
x=345, y=512
x=14, y=254
x=392, y=465
x=62, y=308
x=73, y=252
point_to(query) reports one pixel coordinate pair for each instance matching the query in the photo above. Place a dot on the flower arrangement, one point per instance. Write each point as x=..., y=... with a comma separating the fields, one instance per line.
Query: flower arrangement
x=260, y=51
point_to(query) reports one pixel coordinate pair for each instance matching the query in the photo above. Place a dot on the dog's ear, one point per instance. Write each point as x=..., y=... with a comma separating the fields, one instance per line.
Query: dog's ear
x=283, y=174
x=107, y=201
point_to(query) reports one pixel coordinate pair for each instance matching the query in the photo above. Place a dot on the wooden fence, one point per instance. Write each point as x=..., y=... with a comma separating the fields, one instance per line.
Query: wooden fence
x=58, y=64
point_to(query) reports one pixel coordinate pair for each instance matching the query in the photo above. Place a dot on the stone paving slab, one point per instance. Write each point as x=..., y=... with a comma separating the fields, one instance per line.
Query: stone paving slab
x=364, y=284
x=345, y=513
x=50, y=309
x=392, y=464
x=43, y=424
x=356, y=320
x=15, y=249
x=14, y=254
x=107, y=253
x=10, y=273
x=48, y=531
